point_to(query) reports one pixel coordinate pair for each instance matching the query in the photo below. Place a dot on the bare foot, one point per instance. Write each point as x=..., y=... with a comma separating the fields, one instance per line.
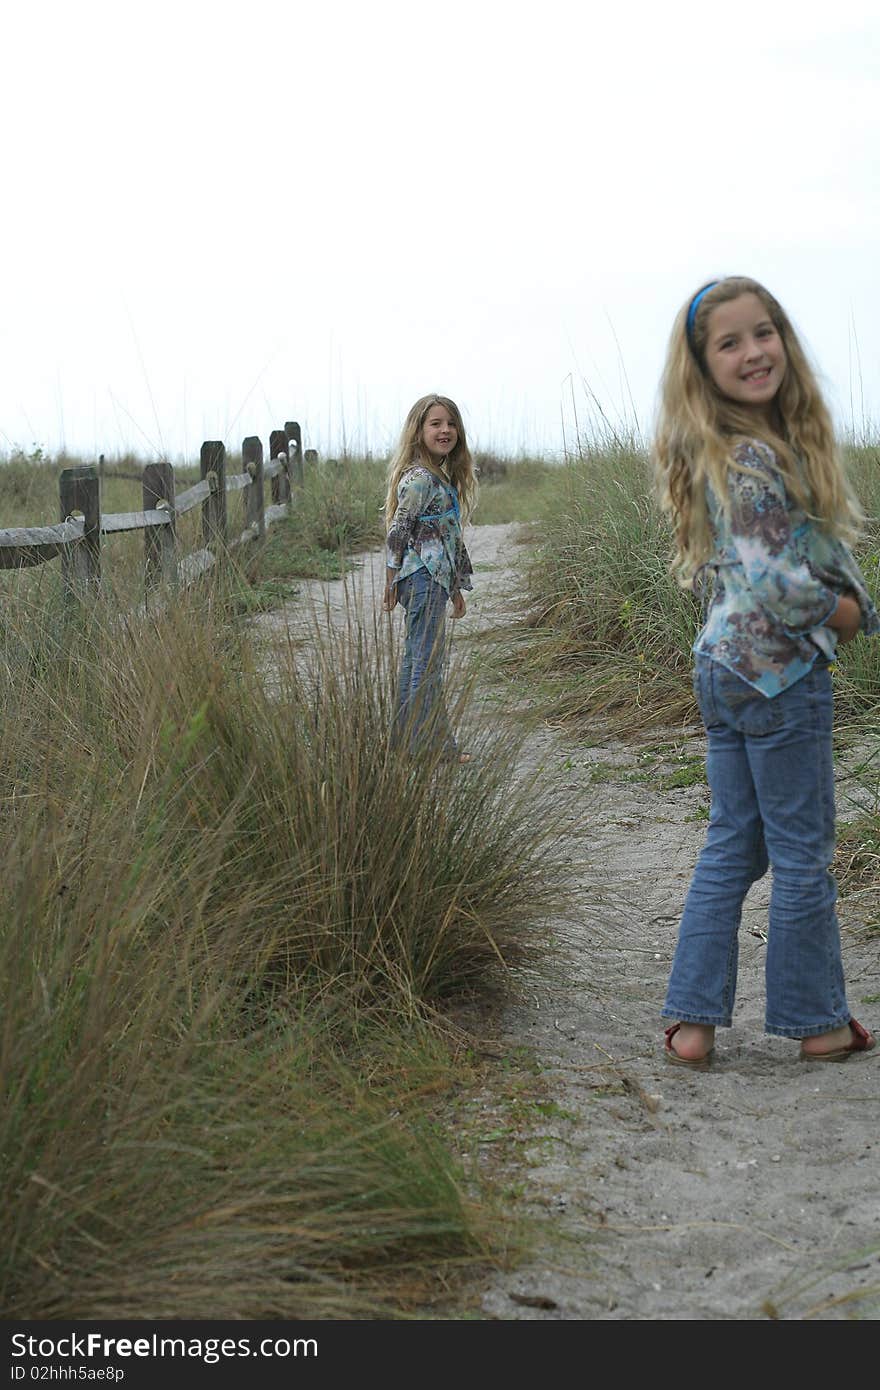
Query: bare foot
x=693, y=1041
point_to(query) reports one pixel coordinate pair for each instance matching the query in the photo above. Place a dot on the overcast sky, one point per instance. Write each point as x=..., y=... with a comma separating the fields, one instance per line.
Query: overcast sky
x=217, y=218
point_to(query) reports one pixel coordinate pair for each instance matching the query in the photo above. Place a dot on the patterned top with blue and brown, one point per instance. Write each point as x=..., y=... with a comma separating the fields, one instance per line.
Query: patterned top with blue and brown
x=425, y=531
x=777, y=577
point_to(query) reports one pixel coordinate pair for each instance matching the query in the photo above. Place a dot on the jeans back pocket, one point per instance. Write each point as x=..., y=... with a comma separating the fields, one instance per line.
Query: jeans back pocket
x=748, y=711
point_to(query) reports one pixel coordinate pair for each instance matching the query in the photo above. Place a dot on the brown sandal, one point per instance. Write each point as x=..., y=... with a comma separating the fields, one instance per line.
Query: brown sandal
x=863, y=1041
x=695, y=1063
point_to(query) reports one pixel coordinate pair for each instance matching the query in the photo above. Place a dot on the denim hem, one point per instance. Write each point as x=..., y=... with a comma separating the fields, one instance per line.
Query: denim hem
x=716, y=1022
x=770, y=770
x=815, y=1032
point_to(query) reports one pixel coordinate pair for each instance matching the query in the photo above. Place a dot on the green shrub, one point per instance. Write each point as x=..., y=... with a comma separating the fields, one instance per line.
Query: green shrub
x=229, y=917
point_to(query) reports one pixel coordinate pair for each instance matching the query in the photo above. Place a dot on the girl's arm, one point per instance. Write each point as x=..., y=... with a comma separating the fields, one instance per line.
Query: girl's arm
x=413, y=491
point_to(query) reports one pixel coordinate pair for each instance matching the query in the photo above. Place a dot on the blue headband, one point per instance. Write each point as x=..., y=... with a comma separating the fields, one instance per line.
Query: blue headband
x=694, y=304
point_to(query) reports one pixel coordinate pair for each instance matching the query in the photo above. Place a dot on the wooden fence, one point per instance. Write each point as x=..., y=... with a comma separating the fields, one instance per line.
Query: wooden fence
x=77, y=539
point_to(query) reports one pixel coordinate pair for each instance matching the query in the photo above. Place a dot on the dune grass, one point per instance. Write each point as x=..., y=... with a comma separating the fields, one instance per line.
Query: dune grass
x=608, y=632
x=336, y=513
x=514, y=489
x=232, y=926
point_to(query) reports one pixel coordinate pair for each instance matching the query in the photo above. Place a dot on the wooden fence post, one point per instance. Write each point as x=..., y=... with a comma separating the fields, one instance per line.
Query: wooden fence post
x=281, y=481
x=160, y=542
x=311, y=457
x=212, y=465
x=295, y=450
x=80, y=493
x=255, y=501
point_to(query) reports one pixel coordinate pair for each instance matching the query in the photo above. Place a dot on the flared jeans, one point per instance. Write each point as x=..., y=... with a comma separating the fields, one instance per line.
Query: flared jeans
x=421, y=724
x=770, y=774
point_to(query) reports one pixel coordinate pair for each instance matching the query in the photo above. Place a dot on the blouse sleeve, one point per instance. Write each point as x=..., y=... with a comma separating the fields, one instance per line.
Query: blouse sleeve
x=760, y=523
x=413, y=492
x=463, y=567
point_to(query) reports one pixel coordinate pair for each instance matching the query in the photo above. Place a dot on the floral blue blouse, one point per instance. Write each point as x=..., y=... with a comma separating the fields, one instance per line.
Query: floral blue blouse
x=426, y=531
x=777, y=578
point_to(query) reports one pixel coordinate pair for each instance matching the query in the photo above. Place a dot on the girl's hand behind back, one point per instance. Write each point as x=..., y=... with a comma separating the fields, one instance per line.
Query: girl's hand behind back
x=459, y=607
x=846, y=618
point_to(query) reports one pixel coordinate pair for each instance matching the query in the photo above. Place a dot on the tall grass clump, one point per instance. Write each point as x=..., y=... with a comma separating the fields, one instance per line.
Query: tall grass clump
x=336, y=512
x=230, y=921
x=611, y=631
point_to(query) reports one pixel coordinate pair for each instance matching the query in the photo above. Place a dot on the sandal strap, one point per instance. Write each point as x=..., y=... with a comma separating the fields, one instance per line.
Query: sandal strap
x=862, y=1039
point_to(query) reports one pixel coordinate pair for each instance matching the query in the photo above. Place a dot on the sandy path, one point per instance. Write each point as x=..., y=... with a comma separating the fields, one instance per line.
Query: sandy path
x=745, y=1192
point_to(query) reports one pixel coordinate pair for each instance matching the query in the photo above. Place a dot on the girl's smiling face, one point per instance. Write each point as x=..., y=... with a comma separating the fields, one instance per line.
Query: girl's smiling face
x=439, y=434
x=744, y=354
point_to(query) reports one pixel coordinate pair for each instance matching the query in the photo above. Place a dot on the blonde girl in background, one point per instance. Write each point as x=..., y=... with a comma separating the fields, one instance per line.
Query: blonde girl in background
x=750, y=475
x=431, y=492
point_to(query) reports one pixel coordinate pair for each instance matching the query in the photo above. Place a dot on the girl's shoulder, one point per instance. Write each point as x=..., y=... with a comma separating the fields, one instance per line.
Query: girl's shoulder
x=422, y=478
x=415, y=474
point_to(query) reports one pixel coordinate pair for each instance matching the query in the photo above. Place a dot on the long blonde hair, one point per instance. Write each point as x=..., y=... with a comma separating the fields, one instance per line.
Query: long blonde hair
x=698, y=430
x=410, y=451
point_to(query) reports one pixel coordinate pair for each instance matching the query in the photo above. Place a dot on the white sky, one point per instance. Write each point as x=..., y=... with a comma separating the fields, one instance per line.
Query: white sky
x=217, y=218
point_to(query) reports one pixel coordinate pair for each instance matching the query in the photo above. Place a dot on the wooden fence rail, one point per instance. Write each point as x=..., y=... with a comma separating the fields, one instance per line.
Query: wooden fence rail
x=77, y=538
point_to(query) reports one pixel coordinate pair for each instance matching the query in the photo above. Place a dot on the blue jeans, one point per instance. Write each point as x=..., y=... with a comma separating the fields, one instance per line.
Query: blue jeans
x=421, y=723
x=769, y=767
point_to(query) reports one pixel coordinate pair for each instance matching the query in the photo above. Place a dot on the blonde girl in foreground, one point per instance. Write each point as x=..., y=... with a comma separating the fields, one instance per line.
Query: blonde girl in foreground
x=750, y=475
x=431, y=490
